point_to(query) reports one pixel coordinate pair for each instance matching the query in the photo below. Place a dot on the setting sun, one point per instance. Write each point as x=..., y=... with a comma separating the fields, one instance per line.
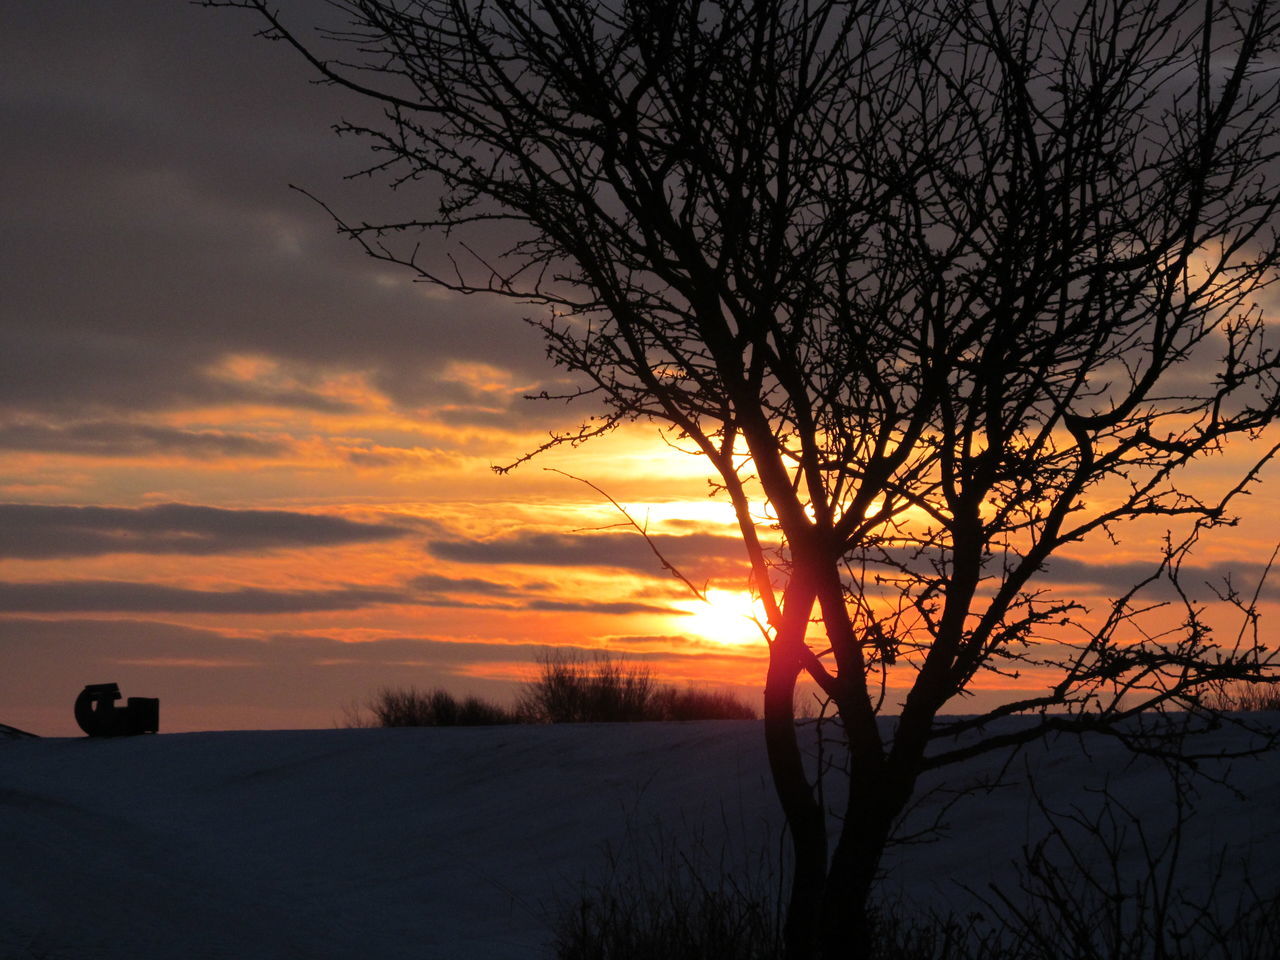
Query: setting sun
x=727, y=616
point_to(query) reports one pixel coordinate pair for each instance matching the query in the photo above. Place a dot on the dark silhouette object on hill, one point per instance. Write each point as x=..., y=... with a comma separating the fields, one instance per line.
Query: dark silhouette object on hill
x=98, y=715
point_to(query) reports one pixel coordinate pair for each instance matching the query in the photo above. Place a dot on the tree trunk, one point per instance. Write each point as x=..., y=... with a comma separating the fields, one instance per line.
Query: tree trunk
x=846, y=929
x=806, y=822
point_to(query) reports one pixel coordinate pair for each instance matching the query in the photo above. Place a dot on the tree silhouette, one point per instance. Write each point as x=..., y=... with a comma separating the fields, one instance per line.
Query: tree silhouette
x=936, y=289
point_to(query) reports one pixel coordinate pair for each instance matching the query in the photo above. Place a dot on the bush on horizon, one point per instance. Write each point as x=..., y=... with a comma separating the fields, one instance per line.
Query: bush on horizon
x=694, y=704
x=573, y=688
x=1246, y=697
x=408, y=707
x=569, y=688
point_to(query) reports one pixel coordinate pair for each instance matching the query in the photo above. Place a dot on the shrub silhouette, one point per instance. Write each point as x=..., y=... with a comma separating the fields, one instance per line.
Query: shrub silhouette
x=569, y=688
x=573, y=688
x=406, y=707
x=693, y=704
x=1246, y=697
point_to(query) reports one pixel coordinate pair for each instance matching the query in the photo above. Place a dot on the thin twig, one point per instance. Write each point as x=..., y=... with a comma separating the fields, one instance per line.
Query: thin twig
x=701, y=594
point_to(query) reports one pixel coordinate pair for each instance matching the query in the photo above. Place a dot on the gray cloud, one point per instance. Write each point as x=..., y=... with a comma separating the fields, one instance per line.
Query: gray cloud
x=1198, y=580
x=103, y=641
x=438, y=591
x=607, y=607
x=698, y=552
x=120, y=438
x=122, y=596
x=1100, y=573
x=438, y=583
x=112, y=596
x=36, y=531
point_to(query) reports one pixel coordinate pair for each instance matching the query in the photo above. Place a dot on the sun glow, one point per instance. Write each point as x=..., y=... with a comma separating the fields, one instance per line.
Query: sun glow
x=730, y=617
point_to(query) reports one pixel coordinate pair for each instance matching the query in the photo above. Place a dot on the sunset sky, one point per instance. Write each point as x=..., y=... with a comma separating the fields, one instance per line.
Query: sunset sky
x=246, y=470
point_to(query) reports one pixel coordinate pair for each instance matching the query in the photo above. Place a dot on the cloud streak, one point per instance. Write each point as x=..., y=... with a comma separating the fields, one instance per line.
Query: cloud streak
x=1242, y=577
x=122, y=596
x=617, y=608
x=439, y=583
x=32, y=531
x=122, y=439
x=140, y=640
x=625, y=551
x=111, y=596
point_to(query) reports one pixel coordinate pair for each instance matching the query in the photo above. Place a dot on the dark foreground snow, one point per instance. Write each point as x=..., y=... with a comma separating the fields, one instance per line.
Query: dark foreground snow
x=461, y=844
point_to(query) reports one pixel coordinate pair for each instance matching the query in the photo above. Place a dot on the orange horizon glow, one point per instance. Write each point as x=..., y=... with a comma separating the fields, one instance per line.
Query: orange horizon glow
x=419, y=616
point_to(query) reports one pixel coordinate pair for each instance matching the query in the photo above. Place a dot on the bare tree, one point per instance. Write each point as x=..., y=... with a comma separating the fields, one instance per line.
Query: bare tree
x=936, y=289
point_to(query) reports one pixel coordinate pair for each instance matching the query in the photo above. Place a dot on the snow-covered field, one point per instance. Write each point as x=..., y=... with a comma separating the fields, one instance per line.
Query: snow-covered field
x=461, y=844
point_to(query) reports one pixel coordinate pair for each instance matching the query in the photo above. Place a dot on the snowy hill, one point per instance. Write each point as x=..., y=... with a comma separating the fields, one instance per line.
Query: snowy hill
x=460, y=844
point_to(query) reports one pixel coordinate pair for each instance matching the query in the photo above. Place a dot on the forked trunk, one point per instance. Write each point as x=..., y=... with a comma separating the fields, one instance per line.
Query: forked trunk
x=829, y=916
x=806, y=823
